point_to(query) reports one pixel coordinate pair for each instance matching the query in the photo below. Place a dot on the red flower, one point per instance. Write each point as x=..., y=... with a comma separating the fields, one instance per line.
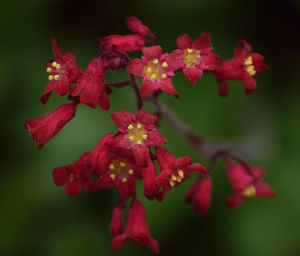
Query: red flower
x=62, y=72
x=136, y=230
x=243, y=67
x=114, y=168
x=92, y=86
x=74, y=176
x=135, y=25
x=156, y=69
x=150, y=186
x=42, y=129
x=195, y=57
x=173, y=171
x=116, y=224
x=137, y=133
x=127, y=43
x=200, y=194
x=246, y=185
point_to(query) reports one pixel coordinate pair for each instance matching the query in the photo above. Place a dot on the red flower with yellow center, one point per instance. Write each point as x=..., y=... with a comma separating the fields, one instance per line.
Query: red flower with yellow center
x=61, y=73
x=156, y=68
x=137, y=133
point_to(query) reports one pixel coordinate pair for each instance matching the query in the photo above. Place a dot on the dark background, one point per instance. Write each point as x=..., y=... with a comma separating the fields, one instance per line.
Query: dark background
x=38, y=218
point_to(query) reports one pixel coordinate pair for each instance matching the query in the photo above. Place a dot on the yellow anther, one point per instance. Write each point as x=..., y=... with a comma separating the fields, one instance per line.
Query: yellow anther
x=249, y=191
x=131, y=138
x=189, y=50
x=163, y=76
x=144, y=136
x=251, y=70
x=149, y=69
x=248, y=61
x=56, y=77
x=58, y=66
x=155, y=61
x=49, y=70
x=112, y=176
x=130, y=127
x=178, y=180
x=139, y=126
x=139, y=142
x=181, y=174
x=122, y=164
x=173, y=177
x=50, y=77
x=111, y=167
x=165, y=64
x=171, y=183
x=54, y=64
x=124, y=179
x=154, y=76
x=130, y=172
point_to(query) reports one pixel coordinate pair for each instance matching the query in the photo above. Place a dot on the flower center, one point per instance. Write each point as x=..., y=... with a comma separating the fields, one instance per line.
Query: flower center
x=137, y=132
x=191, y=57
x=73, y=176
x=55, y=71
x=249, y=67
x=176, y=179
x=154, y=69
x=121, y=168
x=249, y=191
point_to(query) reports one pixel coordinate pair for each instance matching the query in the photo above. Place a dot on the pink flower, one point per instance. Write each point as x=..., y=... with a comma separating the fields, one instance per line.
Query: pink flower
x=62, y=72
x=200, y=194
x=195, y=57
x=137, y=133
x=173, y=171
x=92, y=87
x=74, y=176
x=135, y=25
x=42, y=129
x=136, y=230
x=156, y=69
x=246, y=185
x=245, y=66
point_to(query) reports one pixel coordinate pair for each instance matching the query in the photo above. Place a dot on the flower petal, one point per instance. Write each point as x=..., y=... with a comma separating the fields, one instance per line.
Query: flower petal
x=122, y=119
x=165, y=159
x=152, y=52
x=145, y=117
x=147, y=87
x=136, y=67
x=73, y=188
x=184, y=42
x=193, y=74
x=202, y=42
x=167, y=86
x=141, y=153
x=155, y=137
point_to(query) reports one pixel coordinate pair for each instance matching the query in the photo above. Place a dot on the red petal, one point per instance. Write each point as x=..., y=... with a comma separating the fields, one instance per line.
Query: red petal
x=104, y=182
x=73, y=187
x=155, y=137
x=118, y=242
x=210, y=61
x=183, y=161
x=141, y=153
x=247, y=48
x=122, y=119
x=150, y=187
x=256, y=57
x=163, y=177
x=127, y=189
x=104, y=102
x=147, y=87
x=137, y=26
x=172, y=64
x=46, y=94
x=184, y=42
x=202, y=42
x=190, y=195
x=62, y=86
x=203, y=196
x=56, y=50
x=136, y=67
x=193, y=74
x=264, y=190
x=259, y=67
x=61, y=175
x=195, y=168
x=223, y=88
x=116, y=224
x=165, y=159
x=122, y=142
x=145, y=117
x=235, y=201
x=166, y=85
x=232, y=70
x=152, y=52
x=249, y=82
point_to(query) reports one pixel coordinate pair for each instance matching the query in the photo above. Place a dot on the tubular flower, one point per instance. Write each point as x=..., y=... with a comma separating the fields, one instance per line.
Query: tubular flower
x=136, y=229
x=137, y=132
x=74, y=176
x=200, y=194
x=125, y=43
x=243, y=67
x=156, y=69
x=135, y=25
x=195, y=57
x=61, y=73
x=173, y=171
x=246, y=185
x=116, y=224
x=42, y=129
x=92, y=87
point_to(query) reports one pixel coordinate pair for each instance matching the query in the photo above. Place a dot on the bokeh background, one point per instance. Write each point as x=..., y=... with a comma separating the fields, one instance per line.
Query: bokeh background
x=38, y=218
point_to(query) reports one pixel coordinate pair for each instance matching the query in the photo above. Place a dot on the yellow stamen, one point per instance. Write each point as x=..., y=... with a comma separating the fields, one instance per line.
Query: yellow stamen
x=112, y=176
x=248, y=61
x=49, y=70
x=124, y=179
x=122, y=164
x=130, y=172
x=54, y=64
x=58, y=66
x=149, y=69
x=144, y=136
x=189, y=50
x=154, y=76
x=155, y=61
x=139, y=126
x=50, y=77
x=171, y=183
x=56, y=77
x=131, y=138
x=139, y=142
x=249, y=191
x=130, y=127
x=163, y=76
x=178, y=180
x=111, y=167
x=181, y=174
x=173, y=177
x=165, y=64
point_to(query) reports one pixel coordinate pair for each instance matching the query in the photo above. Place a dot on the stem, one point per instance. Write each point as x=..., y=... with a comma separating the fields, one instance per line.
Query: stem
x=137, y=92
x=119, y=84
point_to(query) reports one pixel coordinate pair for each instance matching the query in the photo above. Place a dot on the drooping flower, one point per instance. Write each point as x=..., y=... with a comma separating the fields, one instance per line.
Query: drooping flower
x=137, y=132
x=149, y=180
x=61, y=72
x=173, y=171
x=74, y=176
x=156, y=69
x=200, y=194
x=91, y=86
x=246, y=184
x=125, y=43
x=245, y=66
x=136, y=229
x=42, y=129
x=135, y=25
x=195, y=57
x=116, y=224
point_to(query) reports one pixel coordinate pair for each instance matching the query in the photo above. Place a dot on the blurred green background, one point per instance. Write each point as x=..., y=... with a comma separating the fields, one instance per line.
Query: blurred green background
x=38, y=218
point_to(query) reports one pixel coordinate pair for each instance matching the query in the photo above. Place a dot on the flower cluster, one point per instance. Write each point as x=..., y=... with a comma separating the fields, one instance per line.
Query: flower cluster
x=134, y=151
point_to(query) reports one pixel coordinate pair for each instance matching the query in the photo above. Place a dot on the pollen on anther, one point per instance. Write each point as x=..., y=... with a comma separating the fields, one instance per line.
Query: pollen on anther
x=155, y=61
x=189, y=50
x=49, y=70
x=173, y=177
x=165, y=64
x=139, y=126
x=171, y=183
x=131, y=138
x=122, y=164
x=248, y=61
x=180, y=173
x=130, y=127
x=112, y=176
x=144, y=136
x=124, y=179
x=139, y=142
x=163, y=76
x=56, y=77
x=50, y=77
x=58, y=66
x=111, y=167
x=54, y=64
x=130, y=171
x=149, y=69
